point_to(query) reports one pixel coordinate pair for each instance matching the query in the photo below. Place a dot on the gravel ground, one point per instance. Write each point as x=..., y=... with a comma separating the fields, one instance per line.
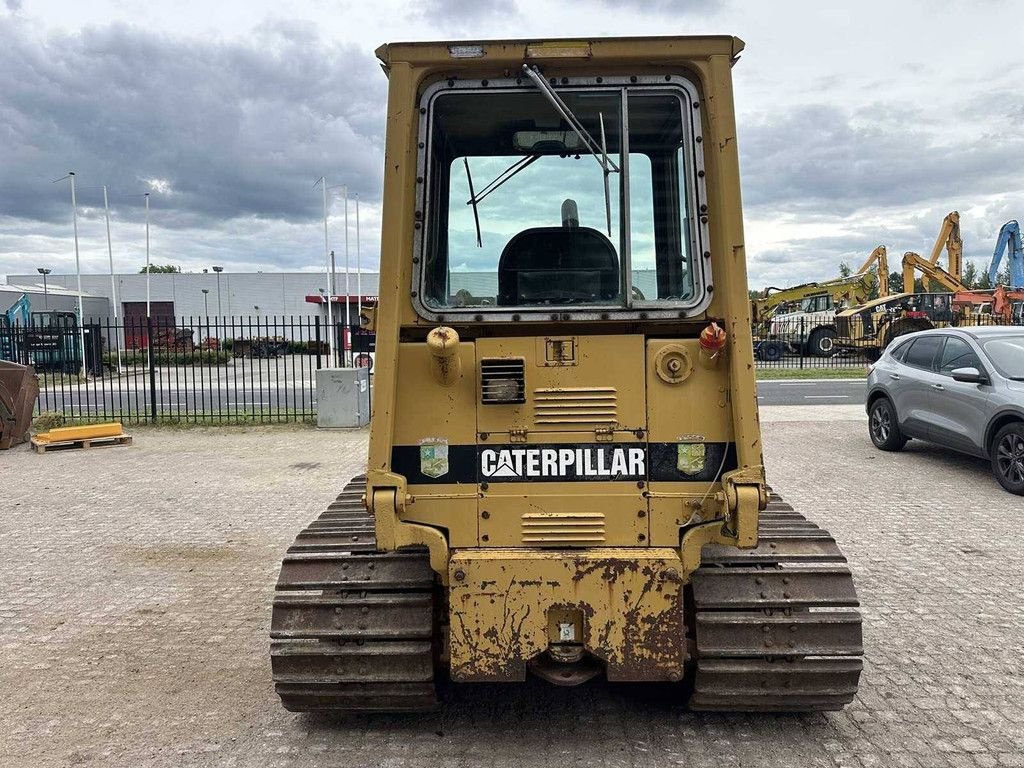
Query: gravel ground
x=135, y=588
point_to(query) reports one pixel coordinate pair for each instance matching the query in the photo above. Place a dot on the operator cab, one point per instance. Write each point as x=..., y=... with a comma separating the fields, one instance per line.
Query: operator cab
x=569, y=193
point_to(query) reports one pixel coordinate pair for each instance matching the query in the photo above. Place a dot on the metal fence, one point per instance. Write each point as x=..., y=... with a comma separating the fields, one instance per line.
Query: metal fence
x=202, y=370
x=808, y=343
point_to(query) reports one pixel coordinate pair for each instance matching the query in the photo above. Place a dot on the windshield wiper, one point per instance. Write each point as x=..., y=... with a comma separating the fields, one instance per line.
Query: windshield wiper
x=502, y=177
x=473, y=202
x=599, y=151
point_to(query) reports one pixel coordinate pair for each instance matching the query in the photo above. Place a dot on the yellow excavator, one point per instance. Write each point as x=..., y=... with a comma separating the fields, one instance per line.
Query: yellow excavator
x=872, y=326
x=812, y=325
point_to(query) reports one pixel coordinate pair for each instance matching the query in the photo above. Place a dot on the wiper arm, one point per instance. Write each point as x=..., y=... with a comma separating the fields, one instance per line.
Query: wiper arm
x=473, y=201
x=502, y=177
x=599, y=151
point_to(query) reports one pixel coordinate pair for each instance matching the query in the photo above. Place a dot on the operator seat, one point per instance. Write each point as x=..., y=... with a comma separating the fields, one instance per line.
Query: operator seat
x=558, y=265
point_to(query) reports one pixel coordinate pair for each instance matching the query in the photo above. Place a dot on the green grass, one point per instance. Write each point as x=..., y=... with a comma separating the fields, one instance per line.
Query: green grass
x=183, y=422
x=772, y=374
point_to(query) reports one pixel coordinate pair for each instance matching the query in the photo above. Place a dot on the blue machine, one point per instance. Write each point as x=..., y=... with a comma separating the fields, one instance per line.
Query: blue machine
x=1009, y=241
x=19, y=314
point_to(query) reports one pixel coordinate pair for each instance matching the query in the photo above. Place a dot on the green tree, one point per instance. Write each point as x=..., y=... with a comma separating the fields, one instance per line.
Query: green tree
x=161, y=268
x=984, y=283
x=895, y=282
x=844, y=269
x=970, y=275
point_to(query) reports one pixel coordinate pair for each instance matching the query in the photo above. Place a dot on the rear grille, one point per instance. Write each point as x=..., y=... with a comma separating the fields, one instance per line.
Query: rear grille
x=502, y=381
x=580, y=405
x=568, y=529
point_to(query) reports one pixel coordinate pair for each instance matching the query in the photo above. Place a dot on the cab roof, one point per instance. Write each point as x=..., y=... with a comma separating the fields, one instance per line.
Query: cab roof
x=624, y=50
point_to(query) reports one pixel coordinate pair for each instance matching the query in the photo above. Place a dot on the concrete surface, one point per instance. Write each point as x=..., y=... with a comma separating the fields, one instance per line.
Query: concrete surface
x=135, y=588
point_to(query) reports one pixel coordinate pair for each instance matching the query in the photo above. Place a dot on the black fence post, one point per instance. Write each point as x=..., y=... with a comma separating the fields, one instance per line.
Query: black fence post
x=152, y=369
x=317, y=342
x=803, y=341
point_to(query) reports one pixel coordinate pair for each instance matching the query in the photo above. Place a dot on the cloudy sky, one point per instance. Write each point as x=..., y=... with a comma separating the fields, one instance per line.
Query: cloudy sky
x=857, y=127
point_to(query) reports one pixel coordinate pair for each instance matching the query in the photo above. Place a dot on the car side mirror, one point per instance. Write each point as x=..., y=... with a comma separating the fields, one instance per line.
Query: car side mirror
x=970, y=376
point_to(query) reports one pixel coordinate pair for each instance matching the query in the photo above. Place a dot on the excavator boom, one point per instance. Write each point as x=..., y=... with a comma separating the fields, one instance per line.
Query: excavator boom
x=1009, y=242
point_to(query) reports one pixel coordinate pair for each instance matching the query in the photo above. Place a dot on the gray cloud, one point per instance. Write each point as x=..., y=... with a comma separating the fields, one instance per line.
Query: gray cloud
x=13, y=5
x=834, y=162
x=665, y=6
x=237, y=129
x=457, y=14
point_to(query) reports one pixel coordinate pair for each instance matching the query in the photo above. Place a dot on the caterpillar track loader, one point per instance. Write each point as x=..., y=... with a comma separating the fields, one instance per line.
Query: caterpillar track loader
x=565, y=475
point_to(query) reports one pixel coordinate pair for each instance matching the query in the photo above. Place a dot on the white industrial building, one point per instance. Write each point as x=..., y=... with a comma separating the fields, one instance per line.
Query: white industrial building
x=51, y=298
x=197, y=295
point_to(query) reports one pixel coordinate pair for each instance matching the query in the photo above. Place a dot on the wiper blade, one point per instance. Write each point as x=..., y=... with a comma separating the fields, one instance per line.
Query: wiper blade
x=502, y=177
x=473, y=201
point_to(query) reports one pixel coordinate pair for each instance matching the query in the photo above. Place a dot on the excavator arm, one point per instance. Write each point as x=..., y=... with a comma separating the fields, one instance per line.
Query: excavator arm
x=856, y=288
x=1009, y=240
x=880, y=257
x=949, y=238
x=913, y=262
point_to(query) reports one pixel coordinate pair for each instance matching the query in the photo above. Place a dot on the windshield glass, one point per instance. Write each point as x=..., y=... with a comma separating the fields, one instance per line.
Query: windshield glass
x=522, y=214
x=1007, y=355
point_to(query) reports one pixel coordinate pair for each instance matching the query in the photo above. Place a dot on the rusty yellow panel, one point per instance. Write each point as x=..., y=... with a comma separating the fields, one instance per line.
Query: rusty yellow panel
x=424, y=408
x=691, y=405
x=449, y=506
x=504, y=603
x=602, y=388
x=699, y=404
x=563, y=515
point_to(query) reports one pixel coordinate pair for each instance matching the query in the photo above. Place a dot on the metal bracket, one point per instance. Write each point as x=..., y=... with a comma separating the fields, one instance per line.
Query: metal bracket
x=604, y=434
x=392, y=534
x=517, y=435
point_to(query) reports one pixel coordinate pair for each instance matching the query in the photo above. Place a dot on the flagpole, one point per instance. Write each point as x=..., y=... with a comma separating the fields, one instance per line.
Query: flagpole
x=113, y=282
x=330, y=282
x=78, y=270
x=348, y=291
x=359, y=269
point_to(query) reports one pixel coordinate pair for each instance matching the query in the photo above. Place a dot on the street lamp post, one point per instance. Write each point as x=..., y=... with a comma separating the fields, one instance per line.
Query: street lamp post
x=46, y=294
x=206, y=301
x=218, y=270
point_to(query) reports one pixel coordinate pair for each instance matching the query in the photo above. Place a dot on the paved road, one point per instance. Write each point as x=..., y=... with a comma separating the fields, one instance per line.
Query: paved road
x=89, y=400
x=812, y=392
x=135, y=589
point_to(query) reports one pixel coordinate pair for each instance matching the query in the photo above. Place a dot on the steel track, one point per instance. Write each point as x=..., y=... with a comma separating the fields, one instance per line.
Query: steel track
x=352, y=628
x=777, y=627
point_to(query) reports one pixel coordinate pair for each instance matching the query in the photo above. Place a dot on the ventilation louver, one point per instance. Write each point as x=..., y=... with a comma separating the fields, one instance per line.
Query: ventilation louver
x=502, y=381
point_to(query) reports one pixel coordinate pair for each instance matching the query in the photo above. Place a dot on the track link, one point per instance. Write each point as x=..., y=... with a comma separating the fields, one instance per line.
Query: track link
x=777, y=627
x=352, y=628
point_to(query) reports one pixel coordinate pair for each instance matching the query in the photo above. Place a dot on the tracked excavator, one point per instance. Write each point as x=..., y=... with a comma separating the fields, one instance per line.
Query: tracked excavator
x=812, y=328
x=872, y=326
x=565, y=476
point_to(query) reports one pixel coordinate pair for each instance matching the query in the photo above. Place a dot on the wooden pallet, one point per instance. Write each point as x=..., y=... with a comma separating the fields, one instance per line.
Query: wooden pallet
x=92, y=442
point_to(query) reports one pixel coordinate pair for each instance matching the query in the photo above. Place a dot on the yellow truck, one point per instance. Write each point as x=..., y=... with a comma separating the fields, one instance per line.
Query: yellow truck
x=565, y=475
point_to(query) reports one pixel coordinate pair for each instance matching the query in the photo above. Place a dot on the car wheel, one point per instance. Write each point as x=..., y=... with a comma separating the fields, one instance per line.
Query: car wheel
x=1008, y=458
x=822, y=342
x=884, y=426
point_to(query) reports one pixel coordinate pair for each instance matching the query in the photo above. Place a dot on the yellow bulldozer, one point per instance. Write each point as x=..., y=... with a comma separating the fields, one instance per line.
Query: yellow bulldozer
x=565, y=476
